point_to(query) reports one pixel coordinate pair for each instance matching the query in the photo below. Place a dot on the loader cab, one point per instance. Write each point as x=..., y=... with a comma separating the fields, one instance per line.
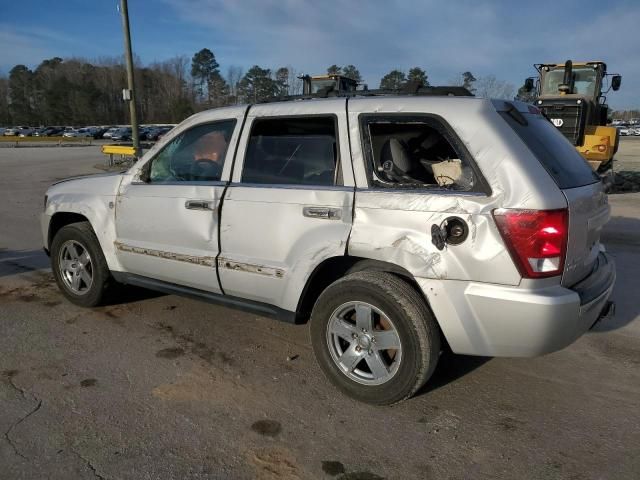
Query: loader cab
x=326, y=84
x=583, y=80
x=572, y=96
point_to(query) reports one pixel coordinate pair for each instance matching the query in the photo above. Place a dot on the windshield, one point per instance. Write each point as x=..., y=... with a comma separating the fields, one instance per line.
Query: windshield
x=584, y=81
x=317, y=85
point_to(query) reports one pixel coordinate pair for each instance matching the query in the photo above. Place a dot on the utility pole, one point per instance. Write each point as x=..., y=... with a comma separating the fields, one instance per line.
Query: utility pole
x=130, y=95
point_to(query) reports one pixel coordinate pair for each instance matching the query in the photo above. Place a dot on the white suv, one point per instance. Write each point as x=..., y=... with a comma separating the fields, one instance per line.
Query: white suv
x=397, y=224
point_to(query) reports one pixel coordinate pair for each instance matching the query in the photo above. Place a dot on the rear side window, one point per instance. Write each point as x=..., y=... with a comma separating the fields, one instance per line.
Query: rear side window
x=415, y=152
x=556, y=154
x=293, y=150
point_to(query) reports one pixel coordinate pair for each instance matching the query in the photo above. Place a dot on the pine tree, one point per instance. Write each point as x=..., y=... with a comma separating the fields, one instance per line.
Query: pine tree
x=352, y=72
x=418, y=75
x=393, y=80
x=203, y=66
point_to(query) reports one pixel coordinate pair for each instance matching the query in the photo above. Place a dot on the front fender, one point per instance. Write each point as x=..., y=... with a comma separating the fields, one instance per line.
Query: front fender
x=93, y=198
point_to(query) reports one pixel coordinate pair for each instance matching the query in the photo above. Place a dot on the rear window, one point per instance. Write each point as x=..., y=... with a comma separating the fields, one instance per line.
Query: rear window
x=557, y=155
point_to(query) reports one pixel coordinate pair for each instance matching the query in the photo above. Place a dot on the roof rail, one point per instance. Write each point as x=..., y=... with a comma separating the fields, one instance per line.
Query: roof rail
x=409, y=89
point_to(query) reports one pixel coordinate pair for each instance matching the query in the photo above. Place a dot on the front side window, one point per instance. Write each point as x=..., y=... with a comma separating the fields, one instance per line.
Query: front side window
x=297, y=150
x=414, y=153
x=196, y=155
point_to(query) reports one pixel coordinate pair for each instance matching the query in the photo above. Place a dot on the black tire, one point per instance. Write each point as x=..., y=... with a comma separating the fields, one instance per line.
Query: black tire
x=83, y=234
x=416, y=328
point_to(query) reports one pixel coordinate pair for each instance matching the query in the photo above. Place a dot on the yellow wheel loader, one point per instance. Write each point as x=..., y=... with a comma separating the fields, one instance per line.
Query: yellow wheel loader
x=572, y=96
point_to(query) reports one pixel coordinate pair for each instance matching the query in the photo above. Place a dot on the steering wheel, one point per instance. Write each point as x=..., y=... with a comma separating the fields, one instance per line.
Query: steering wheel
x=211, y=168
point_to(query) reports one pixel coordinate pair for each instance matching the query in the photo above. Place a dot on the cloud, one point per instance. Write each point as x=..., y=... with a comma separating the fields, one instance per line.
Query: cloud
x=29, y=45
x=501, y=38
x=20, y=49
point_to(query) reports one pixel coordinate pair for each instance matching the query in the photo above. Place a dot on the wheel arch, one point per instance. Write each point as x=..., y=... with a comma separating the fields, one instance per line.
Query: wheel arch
x=62, y=219
x=334, y=268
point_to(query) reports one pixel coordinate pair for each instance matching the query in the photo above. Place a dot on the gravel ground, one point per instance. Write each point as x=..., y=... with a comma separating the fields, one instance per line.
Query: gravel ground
x=158, y=386
x=627, y=166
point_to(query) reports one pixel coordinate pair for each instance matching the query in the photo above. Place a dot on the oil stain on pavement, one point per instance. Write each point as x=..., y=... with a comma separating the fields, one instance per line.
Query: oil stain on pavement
x=170, y=353
x=268, y=428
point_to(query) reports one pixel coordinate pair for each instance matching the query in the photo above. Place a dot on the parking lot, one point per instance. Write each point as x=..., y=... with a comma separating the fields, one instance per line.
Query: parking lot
x=158, y=386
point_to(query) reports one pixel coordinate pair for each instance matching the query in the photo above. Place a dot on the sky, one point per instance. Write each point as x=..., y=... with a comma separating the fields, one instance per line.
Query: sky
x=491, y=37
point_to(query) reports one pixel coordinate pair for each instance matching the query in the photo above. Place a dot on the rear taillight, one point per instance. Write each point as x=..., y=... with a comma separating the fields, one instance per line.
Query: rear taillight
x=536, y=239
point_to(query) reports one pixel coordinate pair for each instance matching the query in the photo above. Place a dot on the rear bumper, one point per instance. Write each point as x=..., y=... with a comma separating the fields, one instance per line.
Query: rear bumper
x=495, y=320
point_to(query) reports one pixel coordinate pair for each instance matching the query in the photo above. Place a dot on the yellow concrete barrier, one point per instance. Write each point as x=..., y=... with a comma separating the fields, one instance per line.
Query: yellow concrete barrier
x=122, y=150
x=118, y=150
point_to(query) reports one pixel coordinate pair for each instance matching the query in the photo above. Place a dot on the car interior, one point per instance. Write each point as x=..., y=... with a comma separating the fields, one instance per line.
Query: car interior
x=415, y=154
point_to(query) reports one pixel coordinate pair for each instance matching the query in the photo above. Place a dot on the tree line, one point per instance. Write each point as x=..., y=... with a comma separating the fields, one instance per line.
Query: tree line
x=76, y=91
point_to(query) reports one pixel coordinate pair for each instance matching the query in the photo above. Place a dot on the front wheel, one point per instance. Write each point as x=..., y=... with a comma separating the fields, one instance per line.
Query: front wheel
x=374, y=337
x=79, y=266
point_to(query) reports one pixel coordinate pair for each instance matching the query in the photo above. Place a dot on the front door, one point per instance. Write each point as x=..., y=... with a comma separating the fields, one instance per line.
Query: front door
x=289, y=206
x=167, y=216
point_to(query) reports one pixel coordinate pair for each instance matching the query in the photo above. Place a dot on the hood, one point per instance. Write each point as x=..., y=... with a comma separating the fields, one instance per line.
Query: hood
x=89, y=175
x=95, y=184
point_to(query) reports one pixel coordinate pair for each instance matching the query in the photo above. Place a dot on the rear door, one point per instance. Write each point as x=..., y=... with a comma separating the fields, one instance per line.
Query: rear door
x=588, y=207
x=289, y=205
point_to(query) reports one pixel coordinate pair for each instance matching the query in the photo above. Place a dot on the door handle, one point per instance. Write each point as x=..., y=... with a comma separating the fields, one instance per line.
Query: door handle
x=199, y=205
x=326, y=213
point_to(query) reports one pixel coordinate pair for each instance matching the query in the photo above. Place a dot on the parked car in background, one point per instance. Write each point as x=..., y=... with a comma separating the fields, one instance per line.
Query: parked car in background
x=624, y=131
x=50, y=132
x=143, y=132
x=122, y=134
x=162, y=131
x=109, y=132
x=15, y=131
x=153, y=133
x=26, y=131
x=79, y=133
x=98, y=132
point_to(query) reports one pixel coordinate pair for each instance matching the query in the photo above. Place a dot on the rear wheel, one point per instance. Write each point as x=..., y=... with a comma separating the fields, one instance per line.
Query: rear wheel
x=79, y=266
x=374, y=337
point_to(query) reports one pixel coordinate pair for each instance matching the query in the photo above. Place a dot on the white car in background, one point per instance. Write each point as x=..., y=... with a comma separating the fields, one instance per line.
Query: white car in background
x=79, y=133
x=13, y=131
x=110, y=132
x=10, y=132
x=624, y=131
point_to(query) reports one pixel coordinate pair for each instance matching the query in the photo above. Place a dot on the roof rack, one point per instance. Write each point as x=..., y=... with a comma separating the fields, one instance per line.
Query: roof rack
x=409, y=89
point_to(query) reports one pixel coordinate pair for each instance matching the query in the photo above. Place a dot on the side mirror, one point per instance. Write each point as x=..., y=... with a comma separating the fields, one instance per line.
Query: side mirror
x=616, y=81
x=145, y=172
x=528, y=84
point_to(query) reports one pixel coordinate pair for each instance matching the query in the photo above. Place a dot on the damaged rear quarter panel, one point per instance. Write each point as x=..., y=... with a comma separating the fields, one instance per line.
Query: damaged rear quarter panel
x=395, y=227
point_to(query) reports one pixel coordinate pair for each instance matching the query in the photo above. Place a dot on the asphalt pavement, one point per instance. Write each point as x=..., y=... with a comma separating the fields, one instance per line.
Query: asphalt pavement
x=162, y=387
